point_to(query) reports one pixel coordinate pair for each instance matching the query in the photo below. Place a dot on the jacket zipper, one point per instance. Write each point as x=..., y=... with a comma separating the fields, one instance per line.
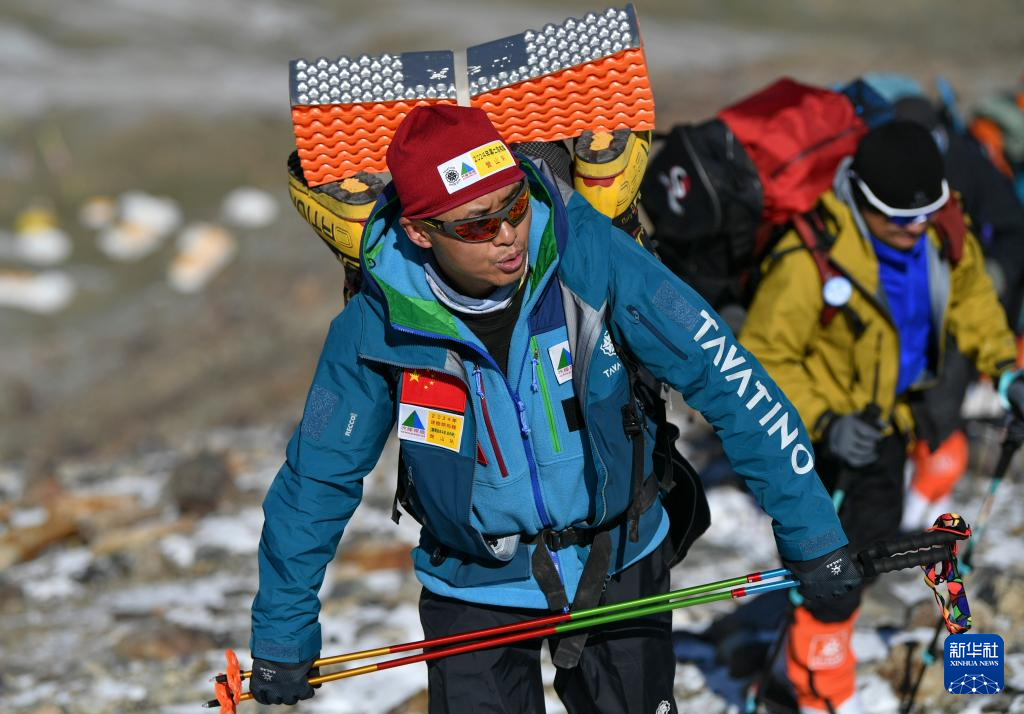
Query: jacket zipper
x=478, y=375
x=538, y=371
x=524, y=426
x=538, y=497
x=635, y=314
x=524, y=432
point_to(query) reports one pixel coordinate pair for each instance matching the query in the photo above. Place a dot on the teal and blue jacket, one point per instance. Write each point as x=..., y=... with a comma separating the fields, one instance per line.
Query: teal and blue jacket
x=490, y=456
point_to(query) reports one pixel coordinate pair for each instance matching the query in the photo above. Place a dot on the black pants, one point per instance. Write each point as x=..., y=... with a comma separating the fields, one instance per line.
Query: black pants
x=937, y=409
x=626, y=667
x=871, y=509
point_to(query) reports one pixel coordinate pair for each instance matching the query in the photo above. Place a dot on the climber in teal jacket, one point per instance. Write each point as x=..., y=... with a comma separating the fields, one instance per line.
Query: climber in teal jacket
x=510, y=432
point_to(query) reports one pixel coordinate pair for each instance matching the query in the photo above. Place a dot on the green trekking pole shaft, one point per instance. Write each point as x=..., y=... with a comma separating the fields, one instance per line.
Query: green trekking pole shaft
x=733, y=594
x=581, y=615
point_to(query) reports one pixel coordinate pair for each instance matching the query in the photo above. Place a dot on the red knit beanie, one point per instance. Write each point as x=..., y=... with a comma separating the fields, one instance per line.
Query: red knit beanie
x=444, y=155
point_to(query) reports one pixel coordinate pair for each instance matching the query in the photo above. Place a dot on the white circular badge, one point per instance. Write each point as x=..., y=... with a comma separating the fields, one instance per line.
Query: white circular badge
x=837, y=291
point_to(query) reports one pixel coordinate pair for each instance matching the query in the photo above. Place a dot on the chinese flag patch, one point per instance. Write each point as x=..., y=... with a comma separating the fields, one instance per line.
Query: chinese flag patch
x=434, y=390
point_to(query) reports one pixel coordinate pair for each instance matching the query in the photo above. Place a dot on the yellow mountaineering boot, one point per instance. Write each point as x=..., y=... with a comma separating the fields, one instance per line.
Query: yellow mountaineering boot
x=607, y=169
x=337, y=211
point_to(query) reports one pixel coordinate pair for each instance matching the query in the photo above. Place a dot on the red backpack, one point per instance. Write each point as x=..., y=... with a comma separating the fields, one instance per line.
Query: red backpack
x=795, y=135
x=718, y=191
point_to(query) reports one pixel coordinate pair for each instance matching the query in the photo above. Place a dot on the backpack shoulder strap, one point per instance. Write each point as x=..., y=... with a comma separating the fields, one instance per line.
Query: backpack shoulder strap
x=632, y=425
x=674, y=477
x=818, y=240
x=951, y=225
x=401, y=497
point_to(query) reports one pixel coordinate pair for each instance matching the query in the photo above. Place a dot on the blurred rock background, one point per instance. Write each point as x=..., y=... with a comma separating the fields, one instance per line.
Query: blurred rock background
x=162, y=308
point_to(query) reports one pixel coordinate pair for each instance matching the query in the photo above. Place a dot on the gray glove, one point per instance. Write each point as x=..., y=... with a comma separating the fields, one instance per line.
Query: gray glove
x=853, y=440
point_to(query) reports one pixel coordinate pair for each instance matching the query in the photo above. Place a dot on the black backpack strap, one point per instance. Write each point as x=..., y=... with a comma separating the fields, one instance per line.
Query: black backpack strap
x=588, y=595
x=590, y=588
x=544, y=570
x=645, y=400
x=403, y=483
x=674, y=477
x=632, y=425
x=399, y=498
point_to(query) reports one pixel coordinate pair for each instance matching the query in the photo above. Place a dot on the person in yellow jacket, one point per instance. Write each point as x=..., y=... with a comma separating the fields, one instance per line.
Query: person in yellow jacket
x=853, y=351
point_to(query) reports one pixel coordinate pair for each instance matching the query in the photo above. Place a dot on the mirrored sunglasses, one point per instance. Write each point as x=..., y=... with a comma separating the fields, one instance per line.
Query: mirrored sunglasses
x=485, y=228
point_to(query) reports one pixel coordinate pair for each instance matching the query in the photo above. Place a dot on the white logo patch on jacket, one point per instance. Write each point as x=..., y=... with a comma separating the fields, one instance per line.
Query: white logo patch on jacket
x=607, y=346
x=430, y=426
x=561, y=361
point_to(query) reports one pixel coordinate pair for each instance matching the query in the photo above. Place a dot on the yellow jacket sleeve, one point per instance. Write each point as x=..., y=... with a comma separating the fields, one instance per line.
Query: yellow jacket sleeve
x=976, y=318
x=781, y=323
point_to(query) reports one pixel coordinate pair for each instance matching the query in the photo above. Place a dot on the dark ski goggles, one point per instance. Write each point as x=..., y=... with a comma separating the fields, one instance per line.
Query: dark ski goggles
x=485, y=228
x=903, y=217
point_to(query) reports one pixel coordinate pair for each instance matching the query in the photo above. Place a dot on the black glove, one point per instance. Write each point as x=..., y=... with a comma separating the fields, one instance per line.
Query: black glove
x=280, y=682
x=853, y=439
x=830, y=577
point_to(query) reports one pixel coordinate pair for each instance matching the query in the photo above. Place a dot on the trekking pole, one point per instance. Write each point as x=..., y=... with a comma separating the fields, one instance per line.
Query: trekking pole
x=228, y=685
x=541, y=621
x=1009, y=448
x=904, y=553
x=928, y=655
x=757, y=687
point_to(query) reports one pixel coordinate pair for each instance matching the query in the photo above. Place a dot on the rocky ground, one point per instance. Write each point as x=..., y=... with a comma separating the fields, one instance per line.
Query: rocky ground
x=149, y=569
x=139, y=426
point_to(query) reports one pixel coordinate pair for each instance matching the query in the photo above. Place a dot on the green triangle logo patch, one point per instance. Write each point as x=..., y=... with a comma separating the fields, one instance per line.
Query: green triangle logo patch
x=413, y=421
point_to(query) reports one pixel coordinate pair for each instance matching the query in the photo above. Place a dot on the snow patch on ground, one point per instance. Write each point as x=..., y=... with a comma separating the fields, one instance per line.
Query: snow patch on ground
x=238, y=533
x=44, y=292
x=876, y=695
x=869, y=646
x=54, y=575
